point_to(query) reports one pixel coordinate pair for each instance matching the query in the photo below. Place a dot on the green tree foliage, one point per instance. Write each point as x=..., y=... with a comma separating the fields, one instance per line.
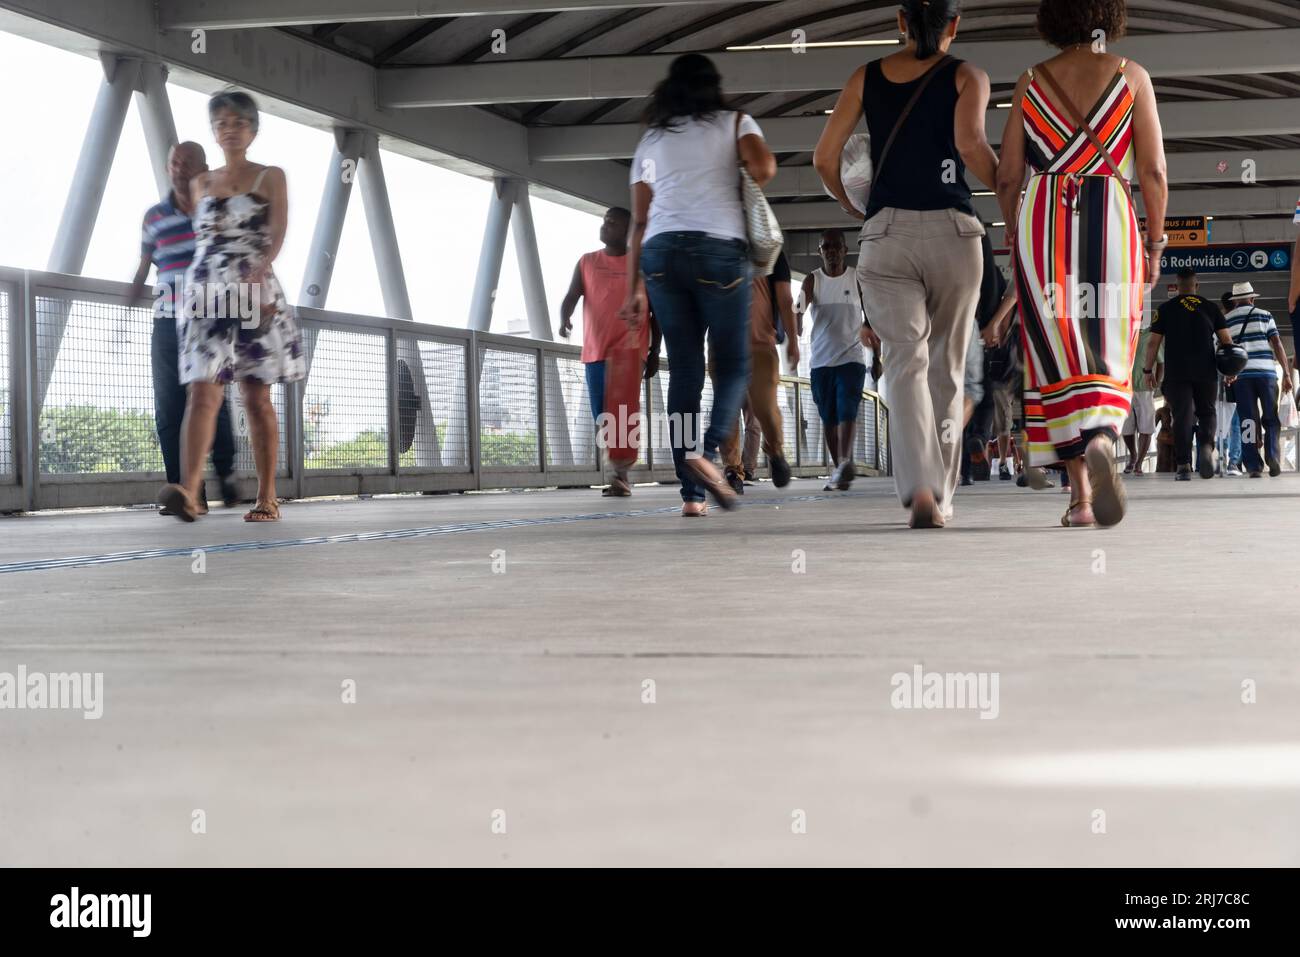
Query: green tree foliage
x=506, y=449
x=78, y=439
x=368, y=450
x=84, y=438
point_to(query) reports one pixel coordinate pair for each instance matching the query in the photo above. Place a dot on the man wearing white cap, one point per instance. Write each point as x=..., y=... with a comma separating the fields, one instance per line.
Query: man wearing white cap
x=1255, y=387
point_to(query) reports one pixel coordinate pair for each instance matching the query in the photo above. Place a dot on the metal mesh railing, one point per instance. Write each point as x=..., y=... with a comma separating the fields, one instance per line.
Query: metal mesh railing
x=345, y=402
x=243, y=434
x=96, y=387
x=864, y=447
x=507, y=397
x=8, y=467
x=570, y=429
x=435, y=415
x=386, y=406
x=882, y=441
x=812, y=436
x=659, y=437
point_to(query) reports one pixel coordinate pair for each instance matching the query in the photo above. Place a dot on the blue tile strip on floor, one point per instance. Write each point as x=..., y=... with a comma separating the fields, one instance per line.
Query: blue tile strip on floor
x=86, y=561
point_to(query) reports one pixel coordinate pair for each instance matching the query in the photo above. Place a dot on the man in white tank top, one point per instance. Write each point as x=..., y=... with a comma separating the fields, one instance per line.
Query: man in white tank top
x=840, y=337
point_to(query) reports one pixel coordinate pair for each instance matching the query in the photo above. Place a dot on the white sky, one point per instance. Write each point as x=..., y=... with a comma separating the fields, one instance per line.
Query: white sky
x=439, y=214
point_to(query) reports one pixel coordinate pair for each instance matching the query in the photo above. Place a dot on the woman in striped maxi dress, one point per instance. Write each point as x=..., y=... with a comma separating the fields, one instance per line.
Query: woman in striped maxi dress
x=1082, y=266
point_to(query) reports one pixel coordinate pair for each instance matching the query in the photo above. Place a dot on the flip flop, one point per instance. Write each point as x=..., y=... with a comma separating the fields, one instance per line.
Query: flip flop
x=263, y=512
x=707, y=474
x=618, y=488
x=177, y=502
x=1109, y=500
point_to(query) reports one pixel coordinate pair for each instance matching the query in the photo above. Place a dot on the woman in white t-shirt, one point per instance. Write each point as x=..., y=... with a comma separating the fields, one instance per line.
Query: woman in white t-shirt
x=688, y=240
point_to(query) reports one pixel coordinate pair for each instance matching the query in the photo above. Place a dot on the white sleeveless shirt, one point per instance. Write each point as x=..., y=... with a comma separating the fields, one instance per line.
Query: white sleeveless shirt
x=836, y=313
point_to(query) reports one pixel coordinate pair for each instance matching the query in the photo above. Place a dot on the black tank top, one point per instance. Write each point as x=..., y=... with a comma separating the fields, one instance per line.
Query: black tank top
x=913, y=178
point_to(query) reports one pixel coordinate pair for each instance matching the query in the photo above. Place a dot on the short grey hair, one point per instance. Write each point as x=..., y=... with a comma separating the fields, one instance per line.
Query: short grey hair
x=238, y=102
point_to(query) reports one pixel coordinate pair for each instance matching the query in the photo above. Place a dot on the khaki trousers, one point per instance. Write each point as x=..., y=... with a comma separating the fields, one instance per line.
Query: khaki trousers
x=920, y=272
x=764, y=377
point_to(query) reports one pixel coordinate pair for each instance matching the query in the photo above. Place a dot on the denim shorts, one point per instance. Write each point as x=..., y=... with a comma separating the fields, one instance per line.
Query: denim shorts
x=837, y=390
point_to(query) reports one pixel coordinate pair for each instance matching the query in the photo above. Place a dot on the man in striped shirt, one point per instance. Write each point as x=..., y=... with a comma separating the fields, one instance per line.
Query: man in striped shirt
x=1255, y=387
x=167, y=243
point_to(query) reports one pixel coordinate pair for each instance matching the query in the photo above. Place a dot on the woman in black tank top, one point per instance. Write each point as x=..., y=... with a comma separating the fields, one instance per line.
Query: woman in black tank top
x=920, y=260
x=925, y=146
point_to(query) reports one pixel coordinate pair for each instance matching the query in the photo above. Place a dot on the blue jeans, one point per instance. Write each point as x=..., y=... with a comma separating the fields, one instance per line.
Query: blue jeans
x=1252, y=392
x=699, y=286
x=1234, y=440
x=169, y=406
x=596, y=387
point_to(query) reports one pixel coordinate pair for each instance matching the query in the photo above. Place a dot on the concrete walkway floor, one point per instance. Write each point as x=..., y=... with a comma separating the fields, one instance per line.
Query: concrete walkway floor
x=637, y=689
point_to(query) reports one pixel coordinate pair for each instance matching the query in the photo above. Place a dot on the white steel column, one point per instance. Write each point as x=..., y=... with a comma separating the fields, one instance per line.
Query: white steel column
x=81, y=210
x=159, y=125
x=329, y=218
x=530, y=266
x=93, y=165
x=383, y=234
x=559, y=443
x=397, y=299
x=491, y=253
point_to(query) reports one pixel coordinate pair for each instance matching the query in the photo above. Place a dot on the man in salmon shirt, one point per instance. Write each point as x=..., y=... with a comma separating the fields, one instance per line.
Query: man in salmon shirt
x=600, y=281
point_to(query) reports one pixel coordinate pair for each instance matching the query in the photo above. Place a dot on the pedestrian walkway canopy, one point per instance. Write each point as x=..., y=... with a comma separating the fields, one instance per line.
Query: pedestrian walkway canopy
x=550, y=91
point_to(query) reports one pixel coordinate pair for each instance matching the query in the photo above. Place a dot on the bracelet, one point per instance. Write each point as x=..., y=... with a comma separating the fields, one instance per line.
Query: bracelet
x=1148, y=371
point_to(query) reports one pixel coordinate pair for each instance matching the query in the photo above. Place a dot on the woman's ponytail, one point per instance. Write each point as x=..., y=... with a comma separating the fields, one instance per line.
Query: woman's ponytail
x=926, y=21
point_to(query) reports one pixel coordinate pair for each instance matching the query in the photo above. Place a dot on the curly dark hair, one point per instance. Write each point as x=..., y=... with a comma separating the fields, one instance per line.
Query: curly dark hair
x=1064, y=23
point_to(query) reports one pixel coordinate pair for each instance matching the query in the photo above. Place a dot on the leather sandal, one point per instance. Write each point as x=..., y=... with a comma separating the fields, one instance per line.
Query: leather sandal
x=1108, y=495
x=1068, y=522
x=176, y=501
x=263, y=512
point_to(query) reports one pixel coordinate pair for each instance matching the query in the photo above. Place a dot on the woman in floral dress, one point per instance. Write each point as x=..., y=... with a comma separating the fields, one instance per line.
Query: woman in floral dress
x=237, y=324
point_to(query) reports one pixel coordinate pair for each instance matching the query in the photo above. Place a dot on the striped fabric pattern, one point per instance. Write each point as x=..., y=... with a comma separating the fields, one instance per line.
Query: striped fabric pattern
x=1079, y=274
x=167, y=238
x=1252, y=328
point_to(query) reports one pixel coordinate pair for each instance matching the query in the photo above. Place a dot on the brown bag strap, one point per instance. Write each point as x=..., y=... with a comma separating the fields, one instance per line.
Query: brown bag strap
x=902, y=118
x=1076, y=117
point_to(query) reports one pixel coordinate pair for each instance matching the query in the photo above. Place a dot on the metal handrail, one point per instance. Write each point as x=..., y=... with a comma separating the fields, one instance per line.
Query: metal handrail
x=26, y=486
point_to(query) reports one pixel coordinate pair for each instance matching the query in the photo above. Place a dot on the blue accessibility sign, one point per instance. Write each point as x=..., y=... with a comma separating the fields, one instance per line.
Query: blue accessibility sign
x=1204, y=259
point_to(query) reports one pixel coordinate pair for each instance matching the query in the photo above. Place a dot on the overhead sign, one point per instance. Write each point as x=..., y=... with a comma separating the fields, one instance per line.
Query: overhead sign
x=1267, y=258
x=1185, y=230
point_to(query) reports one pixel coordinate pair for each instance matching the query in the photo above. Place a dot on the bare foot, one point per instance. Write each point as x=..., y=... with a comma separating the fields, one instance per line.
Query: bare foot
x=925, y=511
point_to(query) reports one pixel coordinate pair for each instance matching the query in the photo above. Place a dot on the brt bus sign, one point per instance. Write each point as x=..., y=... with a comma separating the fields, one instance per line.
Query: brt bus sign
x=1184, y=230
x=1246, y=259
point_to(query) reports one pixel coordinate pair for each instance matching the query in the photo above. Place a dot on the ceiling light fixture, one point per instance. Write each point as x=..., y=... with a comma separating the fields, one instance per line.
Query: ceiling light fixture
x=807, y=45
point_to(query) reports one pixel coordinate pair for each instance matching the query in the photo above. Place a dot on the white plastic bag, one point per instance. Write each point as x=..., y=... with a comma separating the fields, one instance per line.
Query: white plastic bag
x=855, y=170
x=1287, y=411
